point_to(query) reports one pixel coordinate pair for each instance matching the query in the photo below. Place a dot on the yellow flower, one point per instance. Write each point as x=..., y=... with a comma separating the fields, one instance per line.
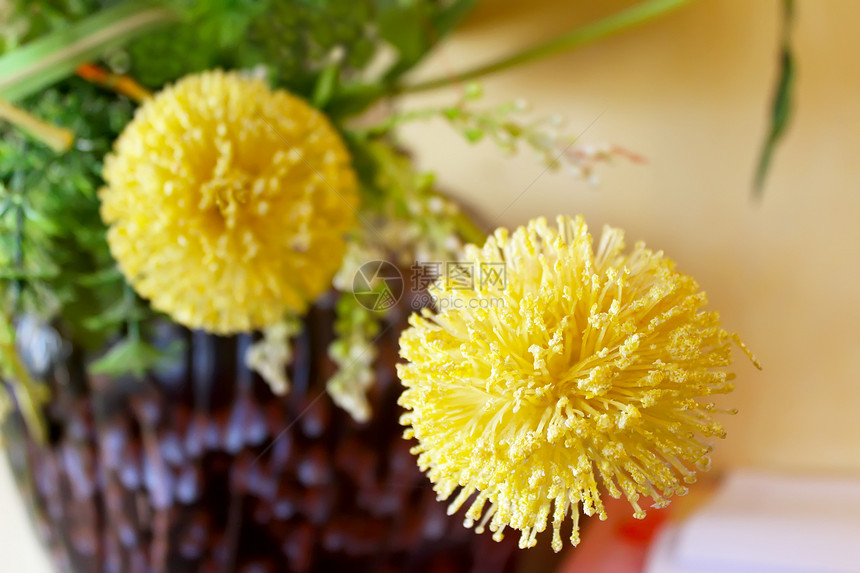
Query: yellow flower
x=228, y=202
x=583, y=367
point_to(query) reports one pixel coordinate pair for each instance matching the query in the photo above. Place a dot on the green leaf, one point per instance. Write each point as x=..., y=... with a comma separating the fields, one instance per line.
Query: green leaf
x=29, y=19
x=781, y=108
x=636, y=15
x=401, y=24
x=473, y=134
x=54, y=257
x=207, y=35
x=414, y=29
x=473, y=91
x=135, y=357
x=326, y=85
x=122, y=311
x=101, y=276
x=45, y=224
x=28, y=395
x=449, y=17
x=39, y=64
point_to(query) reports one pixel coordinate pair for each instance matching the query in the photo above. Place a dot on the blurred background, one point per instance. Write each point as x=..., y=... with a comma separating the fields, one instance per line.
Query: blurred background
x=690, y=93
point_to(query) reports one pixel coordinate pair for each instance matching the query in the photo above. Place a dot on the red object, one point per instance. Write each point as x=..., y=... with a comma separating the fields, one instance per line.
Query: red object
x=617, y=545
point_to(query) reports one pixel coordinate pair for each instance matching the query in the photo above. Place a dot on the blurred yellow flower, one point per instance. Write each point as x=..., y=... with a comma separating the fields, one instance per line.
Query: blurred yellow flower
x=580, y=367
x=228, y=202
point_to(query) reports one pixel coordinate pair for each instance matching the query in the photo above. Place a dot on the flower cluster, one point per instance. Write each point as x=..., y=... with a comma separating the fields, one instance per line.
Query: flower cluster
x=596, y=369
x=228, y=203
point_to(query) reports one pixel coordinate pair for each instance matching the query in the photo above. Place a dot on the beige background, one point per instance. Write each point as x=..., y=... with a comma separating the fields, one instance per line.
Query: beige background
x=691, y=93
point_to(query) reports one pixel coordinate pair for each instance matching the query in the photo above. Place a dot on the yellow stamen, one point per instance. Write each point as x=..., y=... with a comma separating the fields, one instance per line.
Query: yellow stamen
x=591, y=368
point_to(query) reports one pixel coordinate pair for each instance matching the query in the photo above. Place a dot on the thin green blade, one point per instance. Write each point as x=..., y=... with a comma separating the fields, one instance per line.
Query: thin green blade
x=781, y=108
x=42, y=63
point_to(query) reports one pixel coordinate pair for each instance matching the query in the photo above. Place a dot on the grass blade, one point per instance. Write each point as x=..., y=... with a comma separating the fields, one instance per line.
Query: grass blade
x=47, y=60
x=781, y=108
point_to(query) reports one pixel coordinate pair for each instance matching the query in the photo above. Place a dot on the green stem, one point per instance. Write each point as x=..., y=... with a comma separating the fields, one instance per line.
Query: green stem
x=26, y=393
x=39, y=64
x=17, y=185
x=624, y=20
x=56, y=138
x=393, y=120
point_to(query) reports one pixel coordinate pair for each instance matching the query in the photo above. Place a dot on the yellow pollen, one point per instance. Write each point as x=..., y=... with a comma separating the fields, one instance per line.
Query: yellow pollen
x=591, y=369
x=228, y=202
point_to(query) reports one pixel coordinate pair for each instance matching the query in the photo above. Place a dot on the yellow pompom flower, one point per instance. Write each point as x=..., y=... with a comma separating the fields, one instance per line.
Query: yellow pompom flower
x=228, y=202
x=552, y=367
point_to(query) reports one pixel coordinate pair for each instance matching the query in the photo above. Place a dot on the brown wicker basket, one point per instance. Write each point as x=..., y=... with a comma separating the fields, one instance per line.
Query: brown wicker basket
x=204, y=469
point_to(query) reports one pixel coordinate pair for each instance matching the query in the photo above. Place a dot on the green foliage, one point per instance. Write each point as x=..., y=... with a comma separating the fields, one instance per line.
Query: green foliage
x=55, y=56
x=24, y=20
x=414, y=28
x=352, y=320
x=17, y=386
x=54, y=258
x=134, y=356
x=411, y=28
x=353, y=351
x=299, y=40
x=315, y=48
x=311, y=47
x=616, y=22
x=208, y=35
x=294, y=40
x=403, y=210
x=511, y=130
x=780, y=113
